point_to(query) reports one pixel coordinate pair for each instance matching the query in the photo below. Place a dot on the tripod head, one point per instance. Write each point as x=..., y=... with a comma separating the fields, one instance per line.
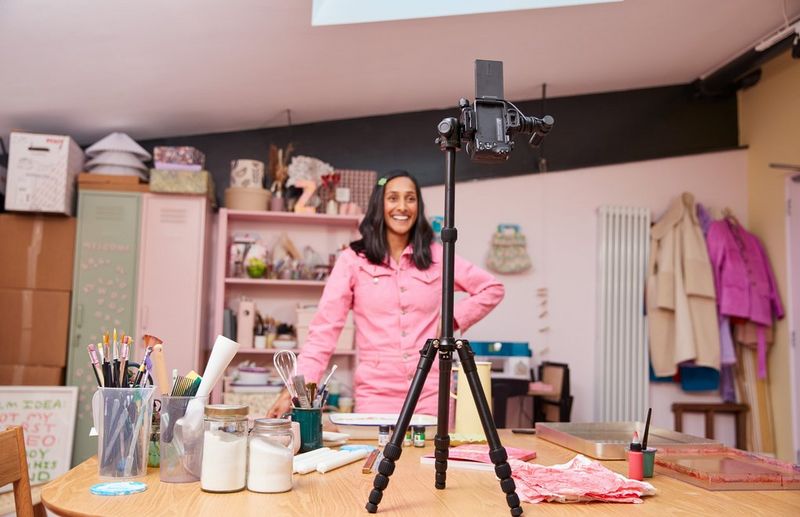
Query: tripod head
x=488, y=126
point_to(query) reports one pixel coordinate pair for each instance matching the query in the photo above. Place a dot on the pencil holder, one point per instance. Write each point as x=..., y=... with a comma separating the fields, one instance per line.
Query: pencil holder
x=310, y=420
x=181, y=453
x=122, y=419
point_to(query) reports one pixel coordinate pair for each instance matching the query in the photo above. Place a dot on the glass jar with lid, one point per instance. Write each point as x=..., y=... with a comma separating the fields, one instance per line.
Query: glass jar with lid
x=271, y=452
x=224, y=448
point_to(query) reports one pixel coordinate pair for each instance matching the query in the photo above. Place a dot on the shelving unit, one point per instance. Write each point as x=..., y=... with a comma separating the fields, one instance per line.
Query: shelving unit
x=277, y=298
x=272, y=351
x=268, y=282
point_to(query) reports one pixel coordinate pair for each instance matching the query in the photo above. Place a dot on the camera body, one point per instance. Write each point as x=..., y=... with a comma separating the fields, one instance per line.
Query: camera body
x=489, y=125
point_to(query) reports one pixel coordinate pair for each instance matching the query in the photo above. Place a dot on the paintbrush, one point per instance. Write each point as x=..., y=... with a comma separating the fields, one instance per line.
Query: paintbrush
x=300, y=386
x=646, y=429
x=124, y=351
x=142, y=367
x=95, y=364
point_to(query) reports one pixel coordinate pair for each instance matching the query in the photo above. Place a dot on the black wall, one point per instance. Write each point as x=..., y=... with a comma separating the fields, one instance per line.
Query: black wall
x=590, y=130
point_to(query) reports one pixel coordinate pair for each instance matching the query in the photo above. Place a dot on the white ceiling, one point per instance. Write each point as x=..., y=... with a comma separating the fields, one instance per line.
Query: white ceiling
x=153, y=68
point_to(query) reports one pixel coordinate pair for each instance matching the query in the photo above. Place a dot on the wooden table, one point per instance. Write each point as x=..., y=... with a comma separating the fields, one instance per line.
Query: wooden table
x=343, y=492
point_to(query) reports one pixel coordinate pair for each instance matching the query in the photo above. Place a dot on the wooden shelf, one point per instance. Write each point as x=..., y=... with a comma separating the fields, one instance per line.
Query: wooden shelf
x=266, y=281
x=270, y=351
x=291, y=217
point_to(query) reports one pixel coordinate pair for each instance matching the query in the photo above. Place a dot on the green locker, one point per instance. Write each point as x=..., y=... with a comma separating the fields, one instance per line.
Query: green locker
x=103, y=292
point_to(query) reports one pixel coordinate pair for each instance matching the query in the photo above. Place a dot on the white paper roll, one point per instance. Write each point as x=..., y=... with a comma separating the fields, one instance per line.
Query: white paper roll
x=311, y=464
x=343, y=458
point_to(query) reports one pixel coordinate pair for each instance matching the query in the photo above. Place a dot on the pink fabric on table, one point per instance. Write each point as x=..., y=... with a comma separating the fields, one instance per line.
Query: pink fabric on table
x=578, y=480
x=396, y=308
x=480, y=453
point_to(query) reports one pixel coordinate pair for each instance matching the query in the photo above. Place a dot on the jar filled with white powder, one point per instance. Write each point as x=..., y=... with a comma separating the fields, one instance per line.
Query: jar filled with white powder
x=271, y=453
x=224, y=448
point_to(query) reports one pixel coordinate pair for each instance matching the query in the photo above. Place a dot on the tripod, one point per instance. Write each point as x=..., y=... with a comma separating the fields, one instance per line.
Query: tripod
x=450, y=134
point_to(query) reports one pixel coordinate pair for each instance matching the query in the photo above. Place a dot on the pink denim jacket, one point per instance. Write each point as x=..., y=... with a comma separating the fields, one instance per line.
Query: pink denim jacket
x=744, y=280
x=396, y=308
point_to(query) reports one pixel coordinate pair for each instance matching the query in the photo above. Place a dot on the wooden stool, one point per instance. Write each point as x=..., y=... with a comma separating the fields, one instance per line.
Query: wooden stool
x=739, y=411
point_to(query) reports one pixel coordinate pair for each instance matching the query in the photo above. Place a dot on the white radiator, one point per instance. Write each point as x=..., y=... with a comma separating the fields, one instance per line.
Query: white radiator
x=621, y=391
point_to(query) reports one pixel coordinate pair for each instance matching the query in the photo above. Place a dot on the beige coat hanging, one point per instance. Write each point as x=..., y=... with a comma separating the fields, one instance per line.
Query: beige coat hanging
x=681, y=300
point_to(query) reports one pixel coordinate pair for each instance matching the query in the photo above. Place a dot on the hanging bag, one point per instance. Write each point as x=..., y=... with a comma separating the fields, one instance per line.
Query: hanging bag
x=508, y=253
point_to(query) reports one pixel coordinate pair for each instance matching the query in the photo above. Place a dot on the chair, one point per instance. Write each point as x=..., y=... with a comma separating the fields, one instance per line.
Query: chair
x=709, y=409
x=502, y=390
x=14, y=468
x=555, y=407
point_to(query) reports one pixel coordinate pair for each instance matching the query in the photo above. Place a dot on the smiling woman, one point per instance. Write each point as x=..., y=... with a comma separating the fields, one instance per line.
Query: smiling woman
x=391, y=280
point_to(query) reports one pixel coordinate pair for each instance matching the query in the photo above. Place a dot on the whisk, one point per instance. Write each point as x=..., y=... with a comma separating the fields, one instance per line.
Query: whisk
x=286, y=363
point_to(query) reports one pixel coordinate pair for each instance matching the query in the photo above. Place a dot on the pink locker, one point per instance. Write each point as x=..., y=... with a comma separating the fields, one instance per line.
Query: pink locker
x=172, y=284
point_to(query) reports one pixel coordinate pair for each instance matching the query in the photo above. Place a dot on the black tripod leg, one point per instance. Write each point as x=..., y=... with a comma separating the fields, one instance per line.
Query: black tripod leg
x=393, y=449
x=442, y=440
x=497, y=452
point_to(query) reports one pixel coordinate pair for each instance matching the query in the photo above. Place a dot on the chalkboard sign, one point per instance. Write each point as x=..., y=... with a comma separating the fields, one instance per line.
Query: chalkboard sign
x=47, y=416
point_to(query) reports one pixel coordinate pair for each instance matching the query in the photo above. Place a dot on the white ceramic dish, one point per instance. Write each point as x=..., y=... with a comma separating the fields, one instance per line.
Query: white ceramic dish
x=364, y=426
x=119, y=158
x=252, y=377
x=117, y=142
x=331, y=439
x=284, y=344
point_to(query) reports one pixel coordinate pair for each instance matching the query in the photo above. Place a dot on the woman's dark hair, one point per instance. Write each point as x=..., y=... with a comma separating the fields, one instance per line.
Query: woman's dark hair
x=373, y=243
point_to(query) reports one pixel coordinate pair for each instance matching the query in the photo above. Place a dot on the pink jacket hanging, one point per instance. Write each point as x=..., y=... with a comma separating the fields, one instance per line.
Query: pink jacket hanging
x=396, y=308
x=745, y=283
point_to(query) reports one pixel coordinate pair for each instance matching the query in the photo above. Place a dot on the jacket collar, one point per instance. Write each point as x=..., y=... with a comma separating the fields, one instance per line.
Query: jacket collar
x=680, y=207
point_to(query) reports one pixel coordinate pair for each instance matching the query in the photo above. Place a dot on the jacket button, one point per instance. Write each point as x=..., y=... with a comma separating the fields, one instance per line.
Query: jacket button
x=403, y=333
x=374, y=279
x=402, y=289
x=405, y=355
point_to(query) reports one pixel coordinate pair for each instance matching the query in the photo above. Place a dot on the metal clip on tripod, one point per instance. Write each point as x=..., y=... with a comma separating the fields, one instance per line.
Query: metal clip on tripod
x=451, y=132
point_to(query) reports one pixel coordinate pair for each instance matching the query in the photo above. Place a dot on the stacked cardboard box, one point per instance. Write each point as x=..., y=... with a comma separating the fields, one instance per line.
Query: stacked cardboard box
x=36, y=255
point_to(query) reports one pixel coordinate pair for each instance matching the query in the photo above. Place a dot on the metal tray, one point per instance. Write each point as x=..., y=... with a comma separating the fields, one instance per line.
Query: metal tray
x=610, y=440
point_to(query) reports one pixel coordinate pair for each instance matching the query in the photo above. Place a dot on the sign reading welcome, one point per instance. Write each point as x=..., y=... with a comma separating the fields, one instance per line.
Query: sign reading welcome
x=47, y=416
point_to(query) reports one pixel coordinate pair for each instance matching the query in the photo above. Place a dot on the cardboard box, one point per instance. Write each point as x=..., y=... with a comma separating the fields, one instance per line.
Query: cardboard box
x=36, y=251
x=41, y=173
x=34, y=327
x=22, y=375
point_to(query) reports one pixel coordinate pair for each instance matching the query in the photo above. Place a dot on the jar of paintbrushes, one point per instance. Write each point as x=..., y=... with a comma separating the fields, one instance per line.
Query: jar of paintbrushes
x=122, y=408
x=122, y=420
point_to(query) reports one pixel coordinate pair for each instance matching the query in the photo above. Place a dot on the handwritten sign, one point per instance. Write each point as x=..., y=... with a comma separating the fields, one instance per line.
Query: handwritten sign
x=47, y=416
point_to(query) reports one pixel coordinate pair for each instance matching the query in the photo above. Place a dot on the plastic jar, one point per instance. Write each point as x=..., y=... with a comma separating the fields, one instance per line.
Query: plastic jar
x=224, y=448
x=271, y=455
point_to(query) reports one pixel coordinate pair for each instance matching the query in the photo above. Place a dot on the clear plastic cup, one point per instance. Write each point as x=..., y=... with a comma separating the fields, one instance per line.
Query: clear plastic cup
x=181, y=453
x=122, y=419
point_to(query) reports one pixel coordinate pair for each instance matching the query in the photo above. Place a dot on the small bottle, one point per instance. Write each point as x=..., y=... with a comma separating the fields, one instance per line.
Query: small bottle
x=383, y=435
x=419, y=436
x=636, y=459
x=408, y=440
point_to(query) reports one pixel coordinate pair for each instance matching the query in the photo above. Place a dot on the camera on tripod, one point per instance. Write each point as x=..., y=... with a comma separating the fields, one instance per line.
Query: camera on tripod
x=489, y=126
